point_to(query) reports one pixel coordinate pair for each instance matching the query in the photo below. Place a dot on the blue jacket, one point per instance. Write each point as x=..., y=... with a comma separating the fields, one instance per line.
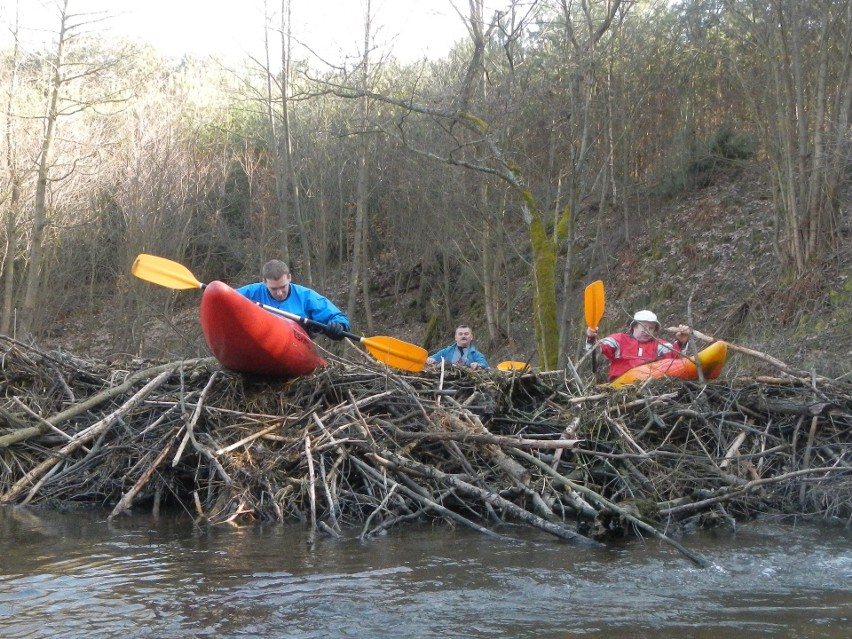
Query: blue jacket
x=301, y=301
x=452, y=356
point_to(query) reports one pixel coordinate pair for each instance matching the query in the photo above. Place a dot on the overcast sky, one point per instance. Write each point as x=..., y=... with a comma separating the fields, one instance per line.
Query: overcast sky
x=229, y=28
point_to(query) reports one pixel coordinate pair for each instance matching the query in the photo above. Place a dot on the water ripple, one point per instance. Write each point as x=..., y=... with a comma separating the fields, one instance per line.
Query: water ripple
x=89, y=580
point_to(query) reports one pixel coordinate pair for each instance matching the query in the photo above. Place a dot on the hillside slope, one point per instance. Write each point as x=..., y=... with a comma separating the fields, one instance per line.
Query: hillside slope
x=709, y=259
x=704, y=258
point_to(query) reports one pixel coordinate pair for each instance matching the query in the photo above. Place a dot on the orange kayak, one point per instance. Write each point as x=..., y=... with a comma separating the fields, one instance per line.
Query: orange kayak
x=712, y=360
x=248, y=339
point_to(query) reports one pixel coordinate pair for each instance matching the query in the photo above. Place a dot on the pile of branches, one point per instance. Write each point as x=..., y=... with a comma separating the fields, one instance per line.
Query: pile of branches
x=358, y=446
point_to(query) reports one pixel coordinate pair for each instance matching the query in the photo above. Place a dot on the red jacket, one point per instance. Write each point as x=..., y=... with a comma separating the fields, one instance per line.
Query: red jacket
x=625, y=352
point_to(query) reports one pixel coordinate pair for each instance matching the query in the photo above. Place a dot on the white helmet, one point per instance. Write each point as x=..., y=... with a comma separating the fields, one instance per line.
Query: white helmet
x=645, y=316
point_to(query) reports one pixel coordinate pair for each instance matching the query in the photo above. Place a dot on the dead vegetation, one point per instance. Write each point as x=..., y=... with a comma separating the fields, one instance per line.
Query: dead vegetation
x=358, y=446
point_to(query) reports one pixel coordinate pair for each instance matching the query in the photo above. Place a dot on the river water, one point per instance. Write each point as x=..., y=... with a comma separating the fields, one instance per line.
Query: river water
x=76, y=575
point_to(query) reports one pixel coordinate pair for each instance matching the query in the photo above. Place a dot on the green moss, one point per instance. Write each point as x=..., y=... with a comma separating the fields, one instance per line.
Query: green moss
x=657, y=246
x=841, y=304
x=647, y=509
x=431, y=331
x=562, y=225
x=479, y=123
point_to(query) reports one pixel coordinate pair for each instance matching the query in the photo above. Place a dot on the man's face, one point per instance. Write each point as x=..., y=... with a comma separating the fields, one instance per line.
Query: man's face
x=464, y=336
x=644, y=331
x=279, y=288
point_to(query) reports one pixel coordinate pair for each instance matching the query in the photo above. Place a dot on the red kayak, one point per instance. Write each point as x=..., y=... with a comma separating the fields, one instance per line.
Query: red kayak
x=248, y=339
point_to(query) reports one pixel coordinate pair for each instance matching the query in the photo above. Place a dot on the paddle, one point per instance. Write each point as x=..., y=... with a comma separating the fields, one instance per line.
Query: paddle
x=387, y=350
x=594, y=309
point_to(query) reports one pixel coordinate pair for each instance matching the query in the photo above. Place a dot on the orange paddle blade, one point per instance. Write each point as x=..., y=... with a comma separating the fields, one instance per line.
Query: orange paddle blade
x=594, y=304
x=512, y=366
x=164, y=272
x=396, y=353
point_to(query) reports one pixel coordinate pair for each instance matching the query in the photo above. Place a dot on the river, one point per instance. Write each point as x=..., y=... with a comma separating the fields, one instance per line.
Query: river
x=76, y=575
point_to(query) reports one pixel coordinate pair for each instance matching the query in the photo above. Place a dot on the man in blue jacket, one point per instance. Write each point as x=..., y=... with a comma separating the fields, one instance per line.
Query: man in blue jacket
x=462, y=353
x=277, y=290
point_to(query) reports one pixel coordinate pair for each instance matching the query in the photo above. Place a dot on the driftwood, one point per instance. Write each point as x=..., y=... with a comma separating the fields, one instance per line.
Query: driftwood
x=359, y=445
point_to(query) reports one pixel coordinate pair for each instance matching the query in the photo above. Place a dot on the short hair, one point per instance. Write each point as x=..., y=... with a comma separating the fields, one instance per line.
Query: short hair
x=462, y=326
x=274, y=270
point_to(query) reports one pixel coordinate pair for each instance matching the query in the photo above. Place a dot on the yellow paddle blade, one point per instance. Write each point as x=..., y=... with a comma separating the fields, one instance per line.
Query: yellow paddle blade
x=512, y=366
x=164, y=272
x=594, y=304
x=396, y=353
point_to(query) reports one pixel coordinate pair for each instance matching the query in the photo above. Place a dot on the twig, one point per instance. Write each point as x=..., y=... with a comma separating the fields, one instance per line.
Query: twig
x=84, y=437
x=696, y=558
x=429, y=503
x=125, y=502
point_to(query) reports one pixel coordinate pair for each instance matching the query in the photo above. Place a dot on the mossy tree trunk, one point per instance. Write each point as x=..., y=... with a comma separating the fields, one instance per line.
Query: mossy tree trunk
x=545, y=245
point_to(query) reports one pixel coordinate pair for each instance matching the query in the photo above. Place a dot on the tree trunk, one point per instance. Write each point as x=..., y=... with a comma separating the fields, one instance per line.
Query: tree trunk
x=360, y=270
x=544, y=294
x=277, y=168
x=489, y=267
x=305, y=271
x=10, y=250
x=809, y=131
x=32, y=297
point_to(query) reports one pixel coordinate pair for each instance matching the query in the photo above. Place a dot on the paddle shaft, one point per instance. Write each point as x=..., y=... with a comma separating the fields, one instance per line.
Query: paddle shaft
x=305, y=322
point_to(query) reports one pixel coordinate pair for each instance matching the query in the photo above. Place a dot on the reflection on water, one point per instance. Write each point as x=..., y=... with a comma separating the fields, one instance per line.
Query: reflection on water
x=77, y=575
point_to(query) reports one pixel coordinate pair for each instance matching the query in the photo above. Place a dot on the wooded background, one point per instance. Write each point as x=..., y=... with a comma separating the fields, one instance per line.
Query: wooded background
x=438, y=180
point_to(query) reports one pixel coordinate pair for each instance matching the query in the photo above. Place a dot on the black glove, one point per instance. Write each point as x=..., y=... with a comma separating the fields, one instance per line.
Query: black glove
x=334, y=330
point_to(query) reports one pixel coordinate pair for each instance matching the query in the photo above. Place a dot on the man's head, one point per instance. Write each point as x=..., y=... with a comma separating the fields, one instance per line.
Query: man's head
x=464, y=336
x=276, y=277
x=644, y=326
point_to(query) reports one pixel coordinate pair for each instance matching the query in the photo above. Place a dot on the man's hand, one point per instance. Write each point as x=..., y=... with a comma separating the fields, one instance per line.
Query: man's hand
x=334, y=330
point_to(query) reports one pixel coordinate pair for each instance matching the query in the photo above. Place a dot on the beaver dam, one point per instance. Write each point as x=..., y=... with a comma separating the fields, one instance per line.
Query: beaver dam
x=360, y=447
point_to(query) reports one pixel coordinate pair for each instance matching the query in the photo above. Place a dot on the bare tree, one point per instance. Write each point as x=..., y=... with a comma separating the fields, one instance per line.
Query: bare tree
x=71, y=88
x=359, y=273
x=582, y=44
x=11, y=202
x=802, y=53
x=292, y=172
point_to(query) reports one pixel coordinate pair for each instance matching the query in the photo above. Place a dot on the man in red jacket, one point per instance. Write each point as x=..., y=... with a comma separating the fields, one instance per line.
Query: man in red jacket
x=638, y=345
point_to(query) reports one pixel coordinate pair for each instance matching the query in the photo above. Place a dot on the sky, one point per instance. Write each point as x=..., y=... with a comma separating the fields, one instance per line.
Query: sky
x=230, y=28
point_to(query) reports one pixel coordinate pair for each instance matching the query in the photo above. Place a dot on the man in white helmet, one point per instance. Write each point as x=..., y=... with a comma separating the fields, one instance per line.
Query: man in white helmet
x=638, y=345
